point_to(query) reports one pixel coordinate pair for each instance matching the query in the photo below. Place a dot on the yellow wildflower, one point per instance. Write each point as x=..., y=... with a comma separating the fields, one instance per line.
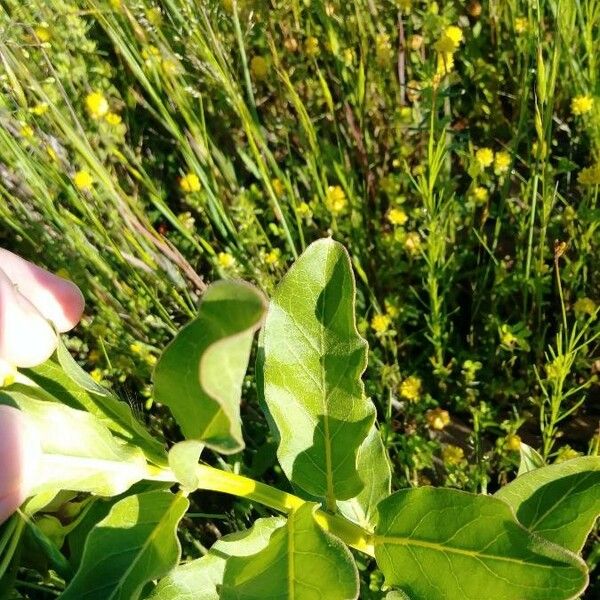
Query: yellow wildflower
x=450, y=39
x=521, y=25
x=452, y=455
x=51, y=153
x=278, y=187
x=335, y=199
x=501, y=162
x=83, y=180
x=27, y=131
x=412, y=243
x=437, y=418
x=42, y=33
x=97, y=375
x=584, y=306
x=566, y=453
x=383, y=49
x=190, y=183
x=513, y=442
x=480, y=194
x=380, y=323
x=39, y=109
x=96, y=104
x=391, y=309
x=113, y=118
x=485, y=157
x=396, y=216
x=272, y=257
x=225, y=260
x=580, y=105
x=311, y=46
x=303, y=210
x=150, y=53
x=590, y=175
x=411, y=388
x=259, y=67
x=445, y=64
x=154, y=16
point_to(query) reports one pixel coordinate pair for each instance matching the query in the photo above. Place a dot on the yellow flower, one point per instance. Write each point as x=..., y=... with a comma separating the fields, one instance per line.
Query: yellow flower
x=584, y=306
x=225, y=260
x=391, y=309
x=335, y=199
x=39, y=109
x=450, y=39
x=590, y=175
x=480, y=194
x=412, y=243
x=521, y=25
x=96, y=104
x=513, y=442
x=51, y=153
x=485, y=157
x=154, y=16
x=383, y=49
x=380, y=323
x=83, y=180
x=311, y=46
x=303, y=210
x=396, y=216
x=42, y=32
x=452, y=455
x=113, y=118
x=150, y=53
x=278, y=187
x=501, y=162
x=566, y=453
x=97, y=375
x=272, y=258
x=259, y=67
x=580, y=105
x=445, y=64
x=411, y=388
x=437, y=418
x=27, y=131
x=190, y=183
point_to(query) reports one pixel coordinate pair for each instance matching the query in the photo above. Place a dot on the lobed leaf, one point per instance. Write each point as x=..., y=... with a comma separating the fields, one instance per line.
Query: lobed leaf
x=560, y=502
x=200, y=374
x=300, y=561
x=312, y=362
x=136, y=543
x=444, y=543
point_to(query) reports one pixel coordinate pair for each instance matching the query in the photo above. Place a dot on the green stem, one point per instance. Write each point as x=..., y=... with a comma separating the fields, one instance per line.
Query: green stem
x=217, y=480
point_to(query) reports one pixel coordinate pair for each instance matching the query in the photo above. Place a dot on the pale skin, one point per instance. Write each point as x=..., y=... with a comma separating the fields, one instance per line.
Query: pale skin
x=35, y=306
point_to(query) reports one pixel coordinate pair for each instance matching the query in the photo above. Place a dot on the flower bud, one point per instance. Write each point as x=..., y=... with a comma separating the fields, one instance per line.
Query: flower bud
x=20, y=455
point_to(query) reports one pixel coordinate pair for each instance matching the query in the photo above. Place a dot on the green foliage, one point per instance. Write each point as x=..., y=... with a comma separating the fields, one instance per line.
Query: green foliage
x=199, y=376
x=134, y=544
x=313, y=362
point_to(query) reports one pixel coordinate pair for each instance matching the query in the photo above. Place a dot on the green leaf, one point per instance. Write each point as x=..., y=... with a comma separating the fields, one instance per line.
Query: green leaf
x=78, y=452
x=68, y=383
x=183, y=458
x=135, y=543
x=312, y=362
x=200, y=374
x=201, y=579
x=560, y=502
x=374, y=469
x=531, y=459
x=301, y=561
x=444, y=543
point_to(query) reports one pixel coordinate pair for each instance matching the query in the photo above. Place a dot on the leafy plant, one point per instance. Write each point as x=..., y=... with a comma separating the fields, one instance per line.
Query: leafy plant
x=524, y=542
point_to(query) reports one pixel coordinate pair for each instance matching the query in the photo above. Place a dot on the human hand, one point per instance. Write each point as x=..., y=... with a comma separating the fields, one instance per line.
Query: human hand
x=34, y=305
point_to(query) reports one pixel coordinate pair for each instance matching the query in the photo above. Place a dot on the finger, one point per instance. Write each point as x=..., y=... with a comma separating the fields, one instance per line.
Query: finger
x=59, y=300
x=26, y=337
x=20, y=454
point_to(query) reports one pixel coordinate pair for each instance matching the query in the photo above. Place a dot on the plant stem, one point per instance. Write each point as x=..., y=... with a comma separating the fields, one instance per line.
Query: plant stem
x=217, y=480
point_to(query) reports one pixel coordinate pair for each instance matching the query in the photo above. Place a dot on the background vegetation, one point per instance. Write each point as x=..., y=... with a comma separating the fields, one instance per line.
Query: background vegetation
x=149, y=147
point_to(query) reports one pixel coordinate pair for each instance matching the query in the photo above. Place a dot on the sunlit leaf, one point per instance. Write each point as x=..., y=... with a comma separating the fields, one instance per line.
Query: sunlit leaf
x=313, y=359
x=200, y=374
x=136, y=543
x=443, y=543
x=560, y=502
